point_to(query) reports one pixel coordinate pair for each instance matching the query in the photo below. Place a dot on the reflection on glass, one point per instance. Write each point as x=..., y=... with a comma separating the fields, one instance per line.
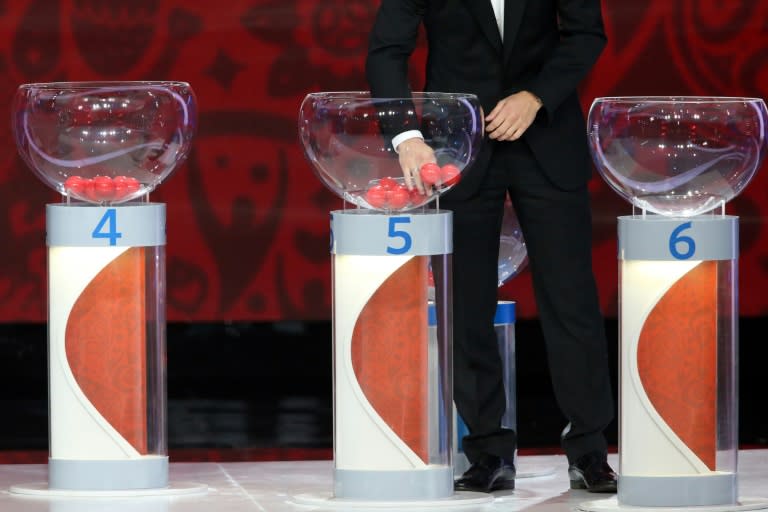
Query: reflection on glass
x=677, y=156
x=347, y=136
x=104, y=142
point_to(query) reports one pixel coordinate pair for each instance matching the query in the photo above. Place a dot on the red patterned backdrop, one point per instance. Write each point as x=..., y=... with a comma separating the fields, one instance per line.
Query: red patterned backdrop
x=247, y=220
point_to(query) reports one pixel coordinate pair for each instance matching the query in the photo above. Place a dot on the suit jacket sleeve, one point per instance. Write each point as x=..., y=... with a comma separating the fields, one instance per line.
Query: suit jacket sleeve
x=582, y=39
x=391, y=43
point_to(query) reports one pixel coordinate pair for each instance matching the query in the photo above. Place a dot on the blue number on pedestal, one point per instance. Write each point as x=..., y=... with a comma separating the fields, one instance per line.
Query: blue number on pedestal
x=399, y=233
x=108, y=221
x=676, y=240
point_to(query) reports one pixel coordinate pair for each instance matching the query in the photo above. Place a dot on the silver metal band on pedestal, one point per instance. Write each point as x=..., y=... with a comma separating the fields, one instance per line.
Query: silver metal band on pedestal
x=108, y=475
x=654, y=237
x=367, y=233
x=126, y=225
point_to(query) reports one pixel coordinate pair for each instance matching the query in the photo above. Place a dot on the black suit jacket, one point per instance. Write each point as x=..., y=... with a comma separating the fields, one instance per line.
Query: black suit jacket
x=549, y=46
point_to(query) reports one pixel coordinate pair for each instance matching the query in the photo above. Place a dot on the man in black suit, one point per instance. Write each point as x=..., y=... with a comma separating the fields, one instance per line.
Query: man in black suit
x=524, y=60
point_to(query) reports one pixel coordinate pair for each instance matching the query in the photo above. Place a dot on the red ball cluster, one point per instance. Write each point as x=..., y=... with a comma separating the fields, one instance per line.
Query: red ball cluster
x=101, y=188
x=433, y=174
x=388, y=194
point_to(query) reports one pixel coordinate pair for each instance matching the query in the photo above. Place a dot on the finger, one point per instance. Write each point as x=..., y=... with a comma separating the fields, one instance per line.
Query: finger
x=491, y=123
x=511, y=132
x=417, y=180
x=493, y=126
x=500, y=118
x=500, y=130
x=504, y=131
x=427, y=189
x=408, y=178
x=517, y=133
x=499, y=106
x=413, y=181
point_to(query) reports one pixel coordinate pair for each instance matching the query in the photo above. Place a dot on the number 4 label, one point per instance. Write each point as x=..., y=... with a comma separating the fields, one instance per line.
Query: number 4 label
x=107, y=227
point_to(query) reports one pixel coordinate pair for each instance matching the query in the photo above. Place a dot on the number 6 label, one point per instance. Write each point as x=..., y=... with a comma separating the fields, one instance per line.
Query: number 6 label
x=682, y=247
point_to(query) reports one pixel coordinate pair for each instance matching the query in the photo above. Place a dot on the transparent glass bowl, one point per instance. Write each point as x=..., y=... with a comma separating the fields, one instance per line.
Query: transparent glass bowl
x=513, y=253
x=347, y=136
x=104, y=142
x=677, y=156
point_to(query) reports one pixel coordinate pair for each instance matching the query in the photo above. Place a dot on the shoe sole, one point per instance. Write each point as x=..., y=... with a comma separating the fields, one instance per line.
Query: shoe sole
x=507, y=485
x=580, y=484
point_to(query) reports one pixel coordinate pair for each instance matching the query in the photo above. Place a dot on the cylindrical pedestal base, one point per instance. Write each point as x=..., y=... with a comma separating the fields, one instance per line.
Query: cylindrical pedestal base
x=106, y=347
x=392, y=386
x=678, y=425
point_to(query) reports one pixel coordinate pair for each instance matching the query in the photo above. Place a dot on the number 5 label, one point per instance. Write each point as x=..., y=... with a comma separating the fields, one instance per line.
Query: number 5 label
x=394, y=232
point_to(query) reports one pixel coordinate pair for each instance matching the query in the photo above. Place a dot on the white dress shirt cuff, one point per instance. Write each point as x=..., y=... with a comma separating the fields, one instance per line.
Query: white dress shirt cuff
x=402, y=137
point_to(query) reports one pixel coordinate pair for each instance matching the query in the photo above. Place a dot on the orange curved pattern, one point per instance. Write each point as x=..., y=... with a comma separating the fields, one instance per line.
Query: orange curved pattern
x=389, y=354
x=677, y=359
x=106, y=345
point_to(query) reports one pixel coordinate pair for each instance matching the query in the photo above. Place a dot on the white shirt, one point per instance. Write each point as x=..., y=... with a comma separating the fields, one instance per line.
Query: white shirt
x=498, y=11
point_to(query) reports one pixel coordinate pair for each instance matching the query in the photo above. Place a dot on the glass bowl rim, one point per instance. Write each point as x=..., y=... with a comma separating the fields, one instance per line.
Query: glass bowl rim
x=683, y=99
x=366, y=95
x=100, y=84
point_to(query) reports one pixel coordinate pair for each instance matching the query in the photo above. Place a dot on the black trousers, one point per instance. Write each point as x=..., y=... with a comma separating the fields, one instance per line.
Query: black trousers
x=556, y=225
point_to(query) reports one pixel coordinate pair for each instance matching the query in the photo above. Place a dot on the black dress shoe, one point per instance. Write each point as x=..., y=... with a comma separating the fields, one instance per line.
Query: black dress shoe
x=592, y=472
x=487, y=475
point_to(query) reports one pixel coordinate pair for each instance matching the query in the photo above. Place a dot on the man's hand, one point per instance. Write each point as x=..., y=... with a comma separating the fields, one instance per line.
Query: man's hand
x=413, y=153
x=512, y=116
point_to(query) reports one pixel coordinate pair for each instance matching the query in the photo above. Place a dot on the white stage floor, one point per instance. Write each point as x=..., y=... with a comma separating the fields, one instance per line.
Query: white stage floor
x=274, y=487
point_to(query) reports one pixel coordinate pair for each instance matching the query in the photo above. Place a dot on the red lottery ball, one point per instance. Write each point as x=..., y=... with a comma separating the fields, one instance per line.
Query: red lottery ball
x=74, y=184
x=120, y=190
x=376, y=196
x=388, y=183
x=132, y=185
x=399, y=198
x=103, y=188
x=449, y=174
x=430, y=173
x=417, y=198
x=89, y=191
x=125, y=186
